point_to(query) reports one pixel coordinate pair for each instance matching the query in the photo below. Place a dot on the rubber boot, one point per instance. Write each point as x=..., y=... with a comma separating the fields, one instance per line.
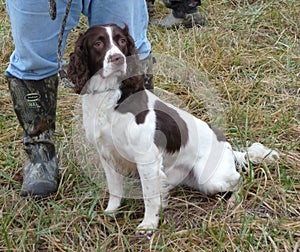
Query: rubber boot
x=184, y=12
x=35, y=106
x=188, y=20
x=193, y=19
x=146, y=69
x=150, y=7
x=169, y=21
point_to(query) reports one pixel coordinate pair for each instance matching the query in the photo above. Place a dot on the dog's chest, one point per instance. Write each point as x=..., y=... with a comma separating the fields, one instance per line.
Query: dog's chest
x=109, y=131
x=98, y=113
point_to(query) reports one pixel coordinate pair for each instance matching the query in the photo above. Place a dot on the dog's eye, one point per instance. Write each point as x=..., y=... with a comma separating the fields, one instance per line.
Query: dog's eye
x=98, y=44
x=122, y=41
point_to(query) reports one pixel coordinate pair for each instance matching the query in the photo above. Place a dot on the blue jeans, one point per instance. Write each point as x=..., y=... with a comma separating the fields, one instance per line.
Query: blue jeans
x=35, y=35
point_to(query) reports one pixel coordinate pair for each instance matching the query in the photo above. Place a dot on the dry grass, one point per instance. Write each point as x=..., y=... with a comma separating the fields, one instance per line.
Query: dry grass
x=249, y=55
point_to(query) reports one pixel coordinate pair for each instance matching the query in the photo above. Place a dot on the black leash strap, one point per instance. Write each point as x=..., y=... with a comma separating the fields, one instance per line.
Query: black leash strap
x=52, y=12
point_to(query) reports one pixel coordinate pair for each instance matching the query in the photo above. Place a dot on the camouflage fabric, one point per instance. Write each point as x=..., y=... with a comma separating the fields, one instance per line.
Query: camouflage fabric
x=146, y=69
x=35, y=106
x=150, y=7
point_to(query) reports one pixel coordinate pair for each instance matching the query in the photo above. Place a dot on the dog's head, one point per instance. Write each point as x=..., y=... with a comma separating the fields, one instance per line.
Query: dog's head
x=105, y=49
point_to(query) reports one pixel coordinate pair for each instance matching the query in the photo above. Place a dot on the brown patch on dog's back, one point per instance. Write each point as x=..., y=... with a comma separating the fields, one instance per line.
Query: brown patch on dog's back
x=137, y=104
x=171, y=130
x=219, y=134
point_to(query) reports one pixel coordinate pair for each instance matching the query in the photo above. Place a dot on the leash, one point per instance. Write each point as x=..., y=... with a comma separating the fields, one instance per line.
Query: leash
x=52, y=12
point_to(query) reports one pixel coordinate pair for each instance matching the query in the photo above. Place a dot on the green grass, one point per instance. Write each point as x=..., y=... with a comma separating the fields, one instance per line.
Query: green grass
x=247, y=56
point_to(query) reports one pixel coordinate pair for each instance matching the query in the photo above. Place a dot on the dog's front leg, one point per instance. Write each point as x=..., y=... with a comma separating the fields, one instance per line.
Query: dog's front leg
x=150, y=175
x=115, y=183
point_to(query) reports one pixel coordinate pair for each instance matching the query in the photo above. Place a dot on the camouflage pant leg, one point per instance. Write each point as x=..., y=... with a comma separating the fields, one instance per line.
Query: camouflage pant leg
x=146, y=69
x=35, y=103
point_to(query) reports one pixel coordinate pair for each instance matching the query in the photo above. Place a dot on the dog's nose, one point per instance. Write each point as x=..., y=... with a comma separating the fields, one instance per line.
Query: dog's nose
x=116, y=58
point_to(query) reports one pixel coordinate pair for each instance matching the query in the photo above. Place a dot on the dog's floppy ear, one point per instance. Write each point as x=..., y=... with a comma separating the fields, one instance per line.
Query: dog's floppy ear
x=78, y=71
x=132, y=54
x=131, y=48
x=133, y=81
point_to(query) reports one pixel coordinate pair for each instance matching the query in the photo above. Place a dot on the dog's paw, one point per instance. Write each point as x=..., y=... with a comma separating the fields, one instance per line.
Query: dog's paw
x=145, y=233
x=109, y=215
x=113, y=205
x=110, y=210
x=146, y=230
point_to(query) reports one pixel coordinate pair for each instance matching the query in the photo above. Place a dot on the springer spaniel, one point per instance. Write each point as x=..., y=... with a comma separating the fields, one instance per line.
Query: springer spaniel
x=136, y=132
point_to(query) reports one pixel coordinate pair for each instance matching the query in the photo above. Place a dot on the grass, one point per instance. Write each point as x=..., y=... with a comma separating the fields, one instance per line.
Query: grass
x=247, y=56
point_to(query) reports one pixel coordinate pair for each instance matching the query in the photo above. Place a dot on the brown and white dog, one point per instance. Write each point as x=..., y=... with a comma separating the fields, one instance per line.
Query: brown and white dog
x=134, y=131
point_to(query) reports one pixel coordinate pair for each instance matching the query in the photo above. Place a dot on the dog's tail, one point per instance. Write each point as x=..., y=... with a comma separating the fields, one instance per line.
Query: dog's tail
x=256, y=153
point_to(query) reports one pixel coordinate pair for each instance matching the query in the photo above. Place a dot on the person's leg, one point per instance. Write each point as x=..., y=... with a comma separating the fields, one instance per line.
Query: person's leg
x=35, y=106
x=134, y=13
x=35, y=37
x=184, y=12
x=32, y=80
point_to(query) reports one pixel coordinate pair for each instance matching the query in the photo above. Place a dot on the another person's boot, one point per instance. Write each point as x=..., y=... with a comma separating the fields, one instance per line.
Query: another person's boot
x=184, y=12
x=193, y=19
x=146, y=69
x=150, y=7
x=35, y=106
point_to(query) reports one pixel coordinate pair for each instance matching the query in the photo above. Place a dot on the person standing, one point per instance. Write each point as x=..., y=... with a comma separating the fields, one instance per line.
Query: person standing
x=32, y=73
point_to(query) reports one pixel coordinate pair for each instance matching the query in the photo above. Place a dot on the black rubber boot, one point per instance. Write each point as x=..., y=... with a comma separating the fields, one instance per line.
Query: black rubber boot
x=146, y=69
x=150, y=7
x=35, y=106
x=184, y=12
x=182, y=7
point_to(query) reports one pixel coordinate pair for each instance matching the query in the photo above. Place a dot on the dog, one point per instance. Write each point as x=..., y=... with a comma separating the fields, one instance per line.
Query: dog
x=135, y=132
